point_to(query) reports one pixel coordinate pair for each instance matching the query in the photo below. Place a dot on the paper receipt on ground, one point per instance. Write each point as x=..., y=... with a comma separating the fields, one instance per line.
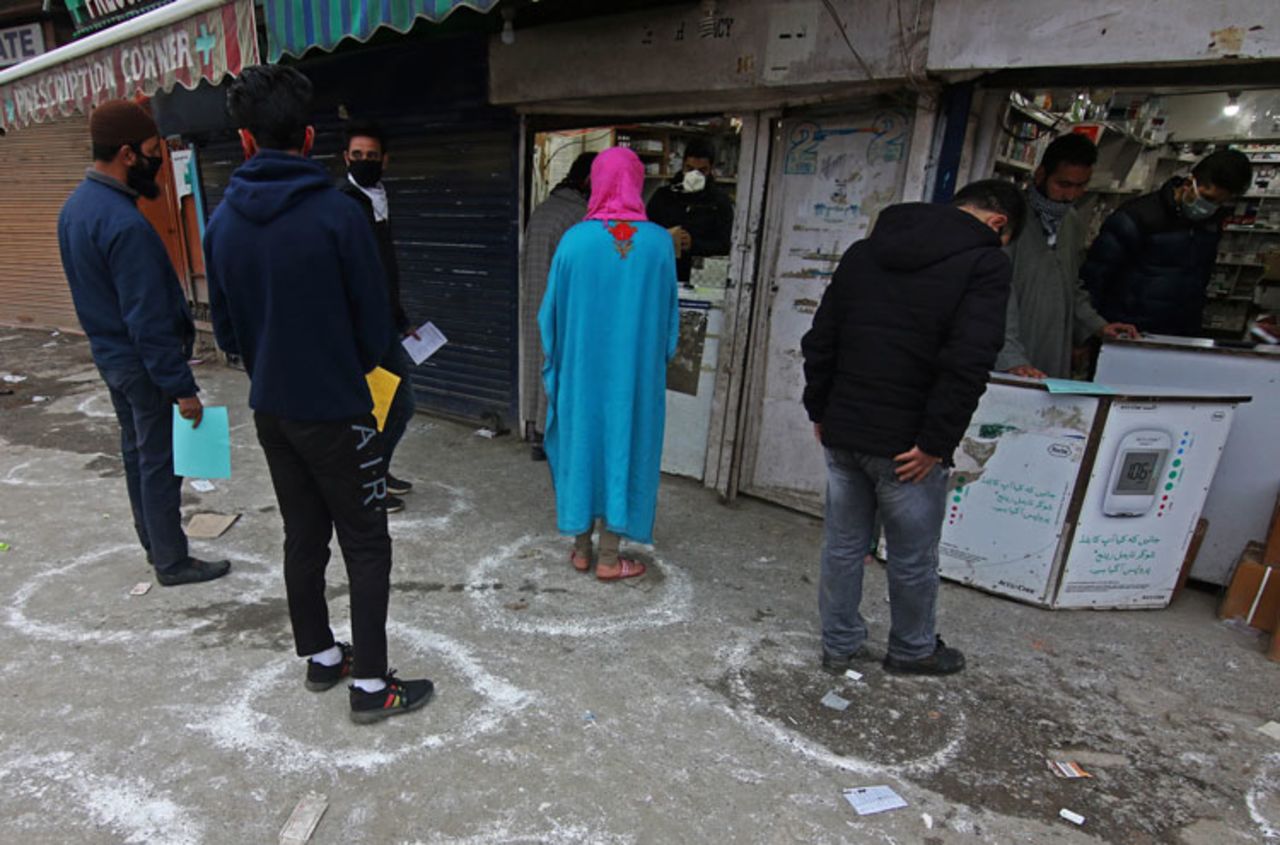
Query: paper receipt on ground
x=869, y=800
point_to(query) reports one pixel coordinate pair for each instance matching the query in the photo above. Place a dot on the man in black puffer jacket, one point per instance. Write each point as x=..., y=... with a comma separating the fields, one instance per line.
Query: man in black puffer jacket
x=898, y=356
x=1150, y=264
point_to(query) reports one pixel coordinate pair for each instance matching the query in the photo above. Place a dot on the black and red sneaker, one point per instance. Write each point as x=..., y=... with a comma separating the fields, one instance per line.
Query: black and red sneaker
x=395, y=698
x=321, y=677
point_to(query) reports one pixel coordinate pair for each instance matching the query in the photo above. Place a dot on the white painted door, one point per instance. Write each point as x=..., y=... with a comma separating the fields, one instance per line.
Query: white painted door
x=830, y=177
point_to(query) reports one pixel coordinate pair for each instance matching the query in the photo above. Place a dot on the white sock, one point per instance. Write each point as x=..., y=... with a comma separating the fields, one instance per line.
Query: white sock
x=369, y=684
x=331, y=656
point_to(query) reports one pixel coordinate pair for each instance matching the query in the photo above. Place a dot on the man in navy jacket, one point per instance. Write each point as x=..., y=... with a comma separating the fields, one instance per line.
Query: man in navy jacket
x=133, y=310
x=297, y=291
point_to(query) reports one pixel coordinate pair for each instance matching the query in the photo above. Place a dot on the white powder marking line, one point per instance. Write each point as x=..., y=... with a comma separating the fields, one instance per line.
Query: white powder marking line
x=502, y=833
x=459, y=503
x=238, y=727
x=133, y=808
x=668, y=607
x=1265, y=784
x=86, y=407
x=16, y=616
x=735, y=657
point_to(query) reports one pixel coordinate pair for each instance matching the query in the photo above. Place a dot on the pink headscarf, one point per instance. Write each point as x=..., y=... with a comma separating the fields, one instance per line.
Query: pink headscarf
x=617, y=186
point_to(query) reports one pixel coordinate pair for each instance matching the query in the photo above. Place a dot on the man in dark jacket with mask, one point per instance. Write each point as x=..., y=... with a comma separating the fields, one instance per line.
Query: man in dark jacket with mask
x=1151, y=262
x=132, y=308
x=898, y=356
x=698, y=213
x=366, y=157
x=297, y=291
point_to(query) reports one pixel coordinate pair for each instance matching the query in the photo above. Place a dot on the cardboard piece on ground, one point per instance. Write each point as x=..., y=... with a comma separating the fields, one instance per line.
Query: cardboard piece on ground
x=210, y=526
x=382, y=387
x=869, y=800
x=1253, y=596
x=203, y=451
x=428, y=342
x=304, y=819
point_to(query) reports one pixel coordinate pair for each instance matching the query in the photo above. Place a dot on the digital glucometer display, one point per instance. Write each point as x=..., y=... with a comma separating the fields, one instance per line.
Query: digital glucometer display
x=1138, y=474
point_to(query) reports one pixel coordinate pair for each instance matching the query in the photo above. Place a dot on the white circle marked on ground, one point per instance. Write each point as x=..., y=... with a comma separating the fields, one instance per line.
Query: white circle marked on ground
x=613, y=607
x=16, y=614
x=736, y=658
x=130, y=807
x=240, y=727
x=457, y=502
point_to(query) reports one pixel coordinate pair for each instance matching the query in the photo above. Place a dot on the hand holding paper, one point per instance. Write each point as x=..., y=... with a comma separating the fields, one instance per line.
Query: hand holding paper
x=424, y=342
x=203, y=452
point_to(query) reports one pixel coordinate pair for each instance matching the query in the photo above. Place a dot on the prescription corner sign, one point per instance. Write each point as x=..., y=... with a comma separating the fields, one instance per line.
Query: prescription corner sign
x=208, y=45
x=19, y=43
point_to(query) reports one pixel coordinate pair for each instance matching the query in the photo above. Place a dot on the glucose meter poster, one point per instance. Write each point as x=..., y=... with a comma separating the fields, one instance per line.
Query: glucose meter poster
x=1147, y=487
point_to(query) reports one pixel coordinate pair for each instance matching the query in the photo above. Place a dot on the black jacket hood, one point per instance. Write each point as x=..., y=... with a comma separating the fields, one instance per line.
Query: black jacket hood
x=912, y=236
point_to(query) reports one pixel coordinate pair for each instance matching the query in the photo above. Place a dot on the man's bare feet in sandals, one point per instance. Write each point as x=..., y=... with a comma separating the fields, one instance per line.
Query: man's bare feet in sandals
x=624, y=568
x=580, y=562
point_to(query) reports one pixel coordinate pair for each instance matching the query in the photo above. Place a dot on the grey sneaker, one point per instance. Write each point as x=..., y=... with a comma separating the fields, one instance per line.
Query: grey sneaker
x=944, y=661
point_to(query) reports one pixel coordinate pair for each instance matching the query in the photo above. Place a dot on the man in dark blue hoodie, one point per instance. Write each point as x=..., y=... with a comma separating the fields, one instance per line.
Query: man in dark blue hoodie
x=296, y=290
x=894, y=366
x=131, y=306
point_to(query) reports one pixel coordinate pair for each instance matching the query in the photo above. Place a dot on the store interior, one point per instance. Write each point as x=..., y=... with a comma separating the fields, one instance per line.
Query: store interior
x=1145, y=137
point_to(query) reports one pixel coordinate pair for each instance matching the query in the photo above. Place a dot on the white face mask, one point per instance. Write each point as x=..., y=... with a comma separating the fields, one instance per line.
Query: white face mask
x=694, y=181
x=1198, y=208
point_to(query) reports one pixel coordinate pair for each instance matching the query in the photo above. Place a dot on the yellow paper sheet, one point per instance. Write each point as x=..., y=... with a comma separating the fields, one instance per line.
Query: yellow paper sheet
x=382, y=386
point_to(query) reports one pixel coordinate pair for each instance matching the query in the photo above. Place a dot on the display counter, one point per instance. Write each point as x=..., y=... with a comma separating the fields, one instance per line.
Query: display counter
x=1244, y=492
x=1082, y=501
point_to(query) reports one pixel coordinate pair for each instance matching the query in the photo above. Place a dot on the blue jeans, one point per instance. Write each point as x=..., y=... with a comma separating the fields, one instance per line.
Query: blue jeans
x=397, y=361
x=146, y=444
x=859, y=487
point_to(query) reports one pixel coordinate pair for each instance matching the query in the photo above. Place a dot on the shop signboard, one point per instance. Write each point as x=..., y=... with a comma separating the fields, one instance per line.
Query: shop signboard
x=19, y=43
x=206, y=45
x=93, y=15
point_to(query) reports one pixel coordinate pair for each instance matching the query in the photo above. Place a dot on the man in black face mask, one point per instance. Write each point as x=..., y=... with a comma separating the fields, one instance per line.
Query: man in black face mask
x=140, y=332
x=1049, y=312
x=366, y=158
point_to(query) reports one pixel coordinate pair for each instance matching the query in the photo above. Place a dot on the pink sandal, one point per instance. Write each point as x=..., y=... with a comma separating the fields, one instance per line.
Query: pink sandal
x=627, y=568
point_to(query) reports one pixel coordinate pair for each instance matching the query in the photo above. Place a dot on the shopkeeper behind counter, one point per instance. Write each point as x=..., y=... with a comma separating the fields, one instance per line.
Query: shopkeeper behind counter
x=697, y=212
x=1150, y=265
x=1049, y=312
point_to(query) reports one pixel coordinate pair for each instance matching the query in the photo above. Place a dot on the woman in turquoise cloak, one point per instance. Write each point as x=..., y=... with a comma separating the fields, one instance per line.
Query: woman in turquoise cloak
x=609, y=322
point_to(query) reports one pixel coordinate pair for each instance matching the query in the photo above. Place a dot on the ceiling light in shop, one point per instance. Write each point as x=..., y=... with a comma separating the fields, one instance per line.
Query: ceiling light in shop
x=1232, y=108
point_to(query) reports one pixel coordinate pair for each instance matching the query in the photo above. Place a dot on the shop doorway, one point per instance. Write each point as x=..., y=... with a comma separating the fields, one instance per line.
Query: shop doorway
x=831, y=173
x=705, y=295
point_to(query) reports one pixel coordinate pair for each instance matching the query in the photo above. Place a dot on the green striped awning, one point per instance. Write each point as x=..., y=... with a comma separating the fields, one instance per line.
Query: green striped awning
x=295, y=26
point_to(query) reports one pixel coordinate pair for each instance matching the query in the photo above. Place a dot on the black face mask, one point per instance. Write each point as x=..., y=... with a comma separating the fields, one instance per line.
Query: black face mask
x=366, y=172
x=142, y=174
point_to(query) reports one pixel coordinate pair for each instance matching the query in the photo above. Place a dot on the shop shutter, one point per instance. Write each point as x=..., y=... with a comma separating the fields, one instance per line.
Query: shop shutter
x=453, y=193
x=41, y=165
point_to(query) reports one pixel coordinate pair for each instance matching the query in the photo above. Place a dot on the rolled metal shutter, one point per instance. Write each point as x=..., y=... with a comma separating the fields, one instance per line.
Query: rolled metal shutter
x=41, y=164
